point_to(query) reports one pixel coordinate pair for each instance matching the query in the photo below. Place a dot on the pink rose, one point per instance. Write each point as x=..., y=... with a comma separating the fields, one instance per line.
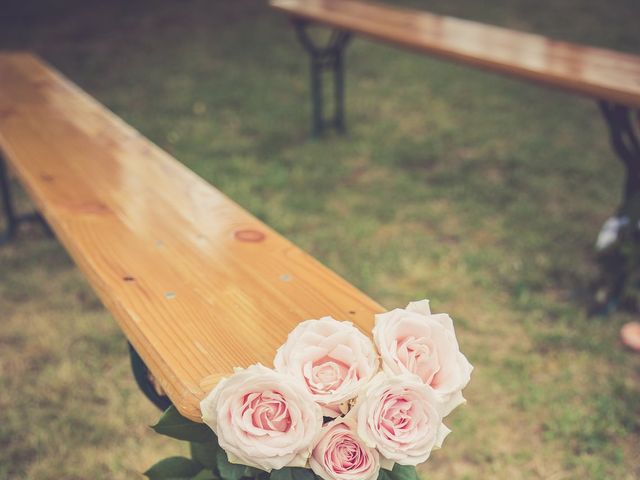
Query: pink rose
x=333, y=359
x=401, y=417
x=341, y=455
x=416, y=341
x=263, y=419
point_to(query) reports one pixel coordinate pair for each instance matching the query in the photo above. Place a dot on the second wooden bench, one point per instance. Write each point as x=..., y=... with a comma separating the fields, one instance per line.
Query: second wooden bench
x=611, y=78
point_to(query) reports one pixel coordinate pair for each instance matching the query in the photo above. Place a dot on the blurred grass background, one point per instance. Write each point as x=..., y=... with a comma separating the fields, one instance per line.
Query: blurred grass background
x=482, y=193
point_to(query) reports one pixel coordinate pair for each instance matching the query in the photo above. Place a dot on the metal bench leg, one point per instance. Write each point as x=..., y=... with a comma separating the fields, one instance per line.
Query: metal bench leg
x=619, y=240
x=329, y=56
x=12, y=219
x=145, y=381
x=7, y=206
x=338, y=79
x=623, y=130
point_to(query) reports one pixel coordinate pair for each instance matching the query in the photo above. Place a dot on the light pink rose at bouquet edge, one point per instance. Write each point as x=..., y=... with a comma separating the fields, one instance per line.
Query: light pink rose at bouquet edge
x=453, y=396
x=401, y=417
x=333, y=359
x=262, y=418
x=340, y=454
x=413, y=340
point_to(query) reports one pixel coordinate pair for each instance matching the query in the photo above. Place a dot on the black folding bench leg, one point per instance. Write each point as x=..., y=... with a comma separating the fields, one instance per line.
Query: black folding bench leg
x=327, y=57
x=12, y=219
x=619, y=240
x=145, y=381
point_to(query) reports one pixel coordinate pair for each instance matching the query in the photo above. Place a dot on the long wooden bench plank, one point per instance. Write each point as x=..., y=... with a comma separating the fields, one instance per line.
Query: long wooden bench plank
x=197, y=284
x=590, y=71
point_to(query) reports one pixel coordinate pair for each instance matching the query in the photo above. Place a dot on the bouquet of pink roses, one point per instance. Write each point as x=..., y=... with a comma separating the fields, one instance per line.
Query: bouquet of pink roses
x=336, y=405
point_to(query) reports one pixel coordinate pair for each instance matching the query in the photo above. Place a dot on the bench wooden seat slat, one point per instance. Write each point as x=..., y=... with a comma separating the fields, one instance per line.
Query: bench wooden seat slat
x=595, y=72
x=174, y=260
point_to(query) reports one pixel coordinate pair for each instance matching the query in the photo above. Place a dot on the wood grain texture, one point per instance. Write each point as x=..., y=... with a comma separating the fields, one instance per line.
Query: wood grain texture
x=590, y=71
x=197, y=284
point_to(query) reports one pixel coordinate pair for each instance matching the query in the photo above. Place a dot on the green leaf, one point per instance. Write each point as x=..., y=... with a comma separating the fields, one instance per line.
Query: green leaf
x=384, y=474
x=399, y=472
x=404, y=472
x=292, y=473
x=174, y=425
x=205, y=475
x=235, y=471
x=205, y=453
x=173, y=468
x=228, y=470
x=252, y=472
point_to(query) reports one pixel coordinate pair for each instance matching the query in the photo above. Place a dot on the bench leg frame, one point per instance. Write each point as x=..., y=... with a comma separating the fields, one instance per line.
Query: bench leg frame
x=12, y=219
x=625, y=140
x=327, y=57
x=619, y=240
x=144, y=380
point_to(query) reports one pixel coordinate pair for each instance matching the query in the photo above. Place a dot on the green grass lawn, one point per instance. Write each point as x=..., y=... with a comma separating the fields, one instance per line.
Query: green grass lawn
x=482, y=193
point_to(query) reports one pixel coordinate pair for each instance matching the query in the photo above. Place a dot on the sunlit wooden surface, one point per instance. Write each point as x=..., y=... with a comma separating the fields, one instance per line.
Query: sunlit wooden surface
x=197, y=284
x=590, y=71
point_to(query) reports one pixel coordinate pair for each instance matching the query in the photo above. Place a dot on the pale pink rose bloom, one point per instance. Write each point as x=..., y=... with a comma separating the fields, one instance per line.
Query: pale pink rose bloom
x=416, y=341
x=401, y=417
x=340, y=455
x=333, y=359
x=263, y=418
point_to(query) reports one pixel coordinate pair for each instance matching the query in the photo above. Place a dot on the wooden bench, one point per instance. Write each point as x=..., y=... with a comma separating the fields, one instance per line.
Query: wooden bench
x=197, y=284
x=594, y=72
x=611, y=78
